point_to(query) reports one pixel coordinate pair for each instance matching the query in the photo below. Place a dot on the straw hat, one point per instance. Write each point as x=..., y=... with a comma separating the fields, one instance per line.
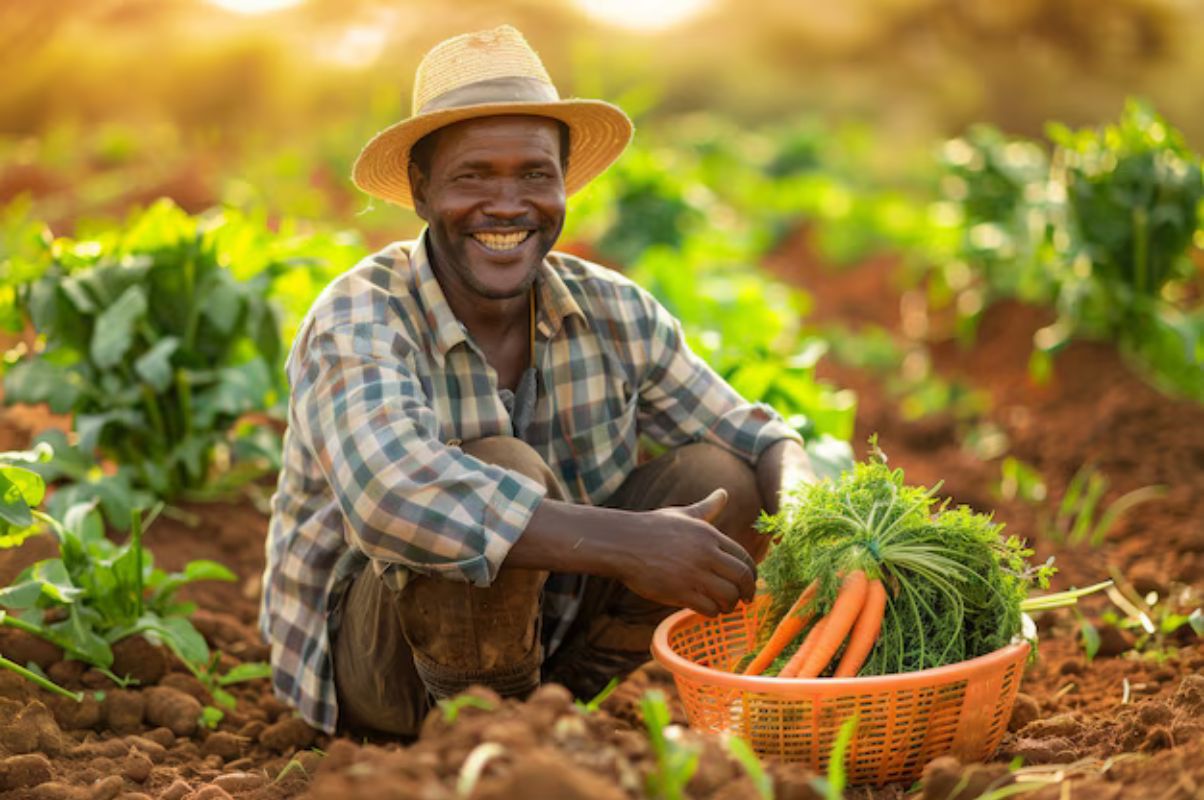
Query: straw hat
x=485, y=74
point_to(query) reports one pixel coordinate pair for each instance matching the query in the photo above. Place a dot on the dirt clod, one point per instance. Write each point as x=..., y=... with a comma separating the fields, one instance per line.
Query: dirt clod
x=1024, y=711
x=1113, y=641
x=137, y=768
x=106, y=788
x=137, y=658
x=124, y=710
x=1189, y=697
x=74, y=716
x=289, y=734
x=187, y=684
x=26, y=728
x=210, y=792
x=543, y=774
x=174, y=710
x=178, y=790
x=225, y=745
x=18, y=772
x=239, y=782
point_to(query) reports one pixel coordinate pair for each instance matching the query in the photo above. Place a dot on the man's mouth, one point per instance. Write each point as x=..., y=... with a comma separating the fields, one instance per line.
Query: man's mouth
x=501, y=242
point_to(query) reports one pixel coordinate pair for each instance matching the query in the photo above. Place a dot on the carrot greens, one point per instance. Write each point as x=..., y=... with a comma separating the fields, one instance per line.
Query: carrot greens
x=953, y=584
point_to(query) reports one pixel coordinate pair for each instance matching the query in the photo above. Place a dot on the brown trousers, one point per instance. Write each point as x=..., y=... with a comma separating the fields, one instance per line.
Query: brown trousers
x=396, y=653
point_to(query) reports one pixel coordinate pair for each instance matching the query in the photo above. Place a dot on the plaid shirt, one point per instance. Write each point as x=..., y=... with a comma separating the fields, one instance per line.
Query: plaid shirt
x=385, y=382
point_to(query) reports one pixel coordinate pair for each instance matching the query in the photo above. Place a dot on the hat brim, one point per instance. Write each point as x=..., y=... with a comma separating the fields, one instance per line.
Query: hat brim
x=598, y=134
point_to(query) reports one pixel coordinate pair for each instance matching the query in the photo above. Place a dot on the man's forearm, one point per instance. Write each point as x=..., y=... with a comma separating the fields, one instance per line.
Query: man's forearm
x=567, y=537
x=782, y=465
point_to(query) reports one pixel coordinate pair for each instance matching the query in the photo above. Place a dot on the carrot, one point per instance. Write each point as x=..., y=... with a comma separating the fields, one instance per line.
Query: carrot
x=790, y=626
x=792, y=666
x=865, y=632
x=837, y=625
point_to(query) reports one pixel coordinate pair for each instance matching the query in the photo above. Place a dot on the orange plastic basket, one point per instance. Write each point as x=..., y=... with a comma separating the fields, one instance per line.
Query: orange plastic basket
x=904, y=720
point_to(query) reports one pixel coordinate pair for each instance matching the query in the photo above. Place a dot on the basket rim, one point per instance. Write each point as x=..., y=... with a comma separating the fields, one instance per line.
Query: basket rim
x=683, y=667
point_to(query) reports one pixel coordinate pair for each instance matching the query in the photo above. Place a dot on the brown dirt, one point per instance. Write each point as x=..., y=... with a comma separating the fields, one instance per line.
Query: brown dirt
x=1074, y=720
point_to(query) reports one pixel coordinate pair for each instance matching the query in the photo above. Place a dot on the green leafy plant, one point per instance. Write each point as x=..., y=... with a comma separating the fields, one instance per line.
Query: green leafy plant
x=676, y=761
x=156, y=338
x=21, y=490
x=1100, y=231
x=96, y=593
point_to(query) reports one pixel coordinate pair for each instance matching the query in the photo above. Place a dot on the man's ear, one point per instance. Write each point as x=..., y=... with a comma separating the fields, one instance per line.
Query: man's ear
x=418, y=185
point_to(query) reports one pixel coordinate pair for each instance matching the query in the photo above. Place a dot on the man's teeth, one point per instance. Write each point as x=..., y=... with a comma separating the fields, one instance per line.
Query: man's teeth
x=501, y=241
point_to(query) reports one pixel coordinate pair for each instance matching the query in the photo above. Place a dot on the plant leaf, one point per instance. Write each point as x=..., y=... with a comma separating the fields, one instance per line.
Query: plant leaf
x=114, y=331
x=154, y=366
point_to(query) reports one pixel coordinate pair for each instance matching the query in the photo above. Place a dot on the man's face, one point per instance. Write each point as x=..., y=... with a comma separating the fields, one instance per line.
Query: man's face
x=494, y=201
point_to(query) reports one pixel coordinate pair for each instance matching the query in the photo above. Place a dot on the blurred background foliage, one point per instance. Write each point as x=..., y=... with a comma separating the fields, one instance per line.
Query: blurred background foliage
x=989, y=149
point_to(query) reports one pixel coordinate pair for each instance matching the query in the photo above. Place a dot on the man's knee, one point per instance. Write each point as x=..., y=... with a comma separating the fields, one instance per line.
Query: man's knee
x=512, y=454
x=704, y=467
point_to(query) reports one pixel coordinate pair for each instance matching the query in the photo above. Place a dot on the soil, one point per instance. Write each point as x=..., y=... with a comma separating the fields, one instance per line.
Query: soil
x=1127, y=724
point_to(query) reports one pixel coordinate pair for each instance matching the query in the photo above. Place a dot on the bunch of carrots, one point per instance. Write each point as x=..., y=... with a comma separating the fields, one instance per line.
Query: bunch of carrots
x=856, y=614
x=869, y=576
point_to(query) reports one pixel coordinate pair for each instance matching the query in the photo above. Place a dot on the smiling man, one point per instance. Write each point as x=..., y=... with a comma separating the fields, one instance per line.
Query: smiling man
x=463, y=498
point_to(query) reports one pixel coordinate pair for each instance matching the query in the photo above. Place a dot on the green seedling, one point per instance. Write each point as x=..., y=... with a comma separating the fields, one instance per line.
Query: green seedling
x=1088, y=637
x=744, y=755
x=833, y=784
x=1078, y=519
x=211, y=717
x=452, y=706
x=676, y=761
x=215, y=683
x=596, y=702
x=1020, y=481
x=1152, y=619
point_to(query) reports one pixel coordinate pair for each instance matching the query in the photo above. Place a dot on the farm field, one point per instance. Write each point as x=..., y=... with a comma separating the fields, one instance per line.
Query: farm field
x=1005, y=302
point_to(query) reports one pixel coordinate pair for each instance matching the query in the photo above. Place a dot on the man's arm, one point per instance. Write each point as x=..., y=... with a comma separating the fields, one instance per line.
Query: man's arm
x=673, y=556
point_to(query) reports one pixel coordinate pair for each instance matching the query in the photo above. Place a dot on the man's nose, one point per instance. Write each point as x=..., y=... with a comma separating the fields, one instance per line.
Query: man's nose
x=506, y=200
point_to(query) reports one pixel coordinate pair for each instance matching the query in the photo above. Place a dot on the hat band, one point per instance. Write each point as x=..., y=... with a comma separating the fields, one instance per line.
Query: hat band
x=513, y=89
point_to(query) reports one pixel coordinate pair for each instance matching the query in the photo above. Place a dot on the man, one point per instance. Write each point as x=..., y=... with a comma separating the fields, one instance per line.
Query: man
x=462, y=500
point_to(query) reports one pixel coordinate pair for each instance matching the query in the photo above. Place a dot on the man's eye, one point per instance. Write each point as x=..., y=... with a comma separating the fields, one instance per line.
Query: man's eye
x=466, y=176
x=537, y=174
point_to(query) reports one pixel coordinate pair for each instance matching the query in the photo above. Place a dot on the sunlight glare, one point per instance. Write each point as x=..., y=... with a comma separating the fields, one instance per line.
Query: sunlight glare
x=643, y=15
x=254, y=6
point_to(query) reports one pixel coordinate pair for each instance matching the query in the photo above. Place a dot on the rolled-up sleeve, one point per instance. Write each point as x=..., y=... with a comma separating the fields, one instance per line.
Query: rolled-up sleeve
x=683, y=399
x=407, y=499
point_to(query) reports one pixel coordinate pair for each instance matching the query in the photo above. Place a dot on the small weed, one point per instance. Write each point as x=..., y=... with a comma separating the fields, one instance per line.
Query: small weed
x=833, y=784
x=451, y=707
x=1020, y=481
x=1076, y=520
x=1154, y=620
x=743, y=753
x=676, y=761
x=598, y=699
x=211, y=716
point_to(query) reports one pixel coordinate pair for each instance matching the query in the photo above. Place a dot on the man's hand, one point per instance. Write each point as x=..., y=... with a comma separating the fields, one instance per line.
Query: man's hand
x=688, y=562
x=673, y=556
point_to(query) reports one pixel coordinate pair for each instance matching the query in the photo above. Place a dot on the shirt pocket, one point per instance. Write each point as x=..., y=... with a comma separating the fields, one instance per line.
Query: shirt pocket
x=604, y=454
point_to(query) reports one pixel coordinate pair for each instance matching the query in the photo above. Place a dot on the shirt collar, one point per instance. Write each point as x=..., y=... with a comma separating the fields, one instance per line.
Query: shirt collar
x=556, y=302
x=447, y=330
